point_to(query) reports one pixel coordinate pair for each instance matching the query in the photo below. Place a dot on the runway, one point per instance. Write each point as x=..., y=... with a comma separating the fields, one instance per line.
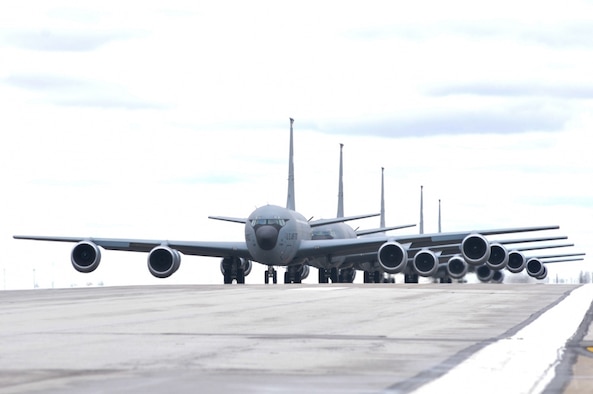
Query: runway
x=347, y=338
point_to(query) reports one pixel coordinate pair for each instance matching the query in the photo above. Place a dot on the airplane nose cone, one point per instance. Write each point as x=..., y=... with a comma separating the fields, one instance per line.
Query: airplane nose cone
x=266, y=236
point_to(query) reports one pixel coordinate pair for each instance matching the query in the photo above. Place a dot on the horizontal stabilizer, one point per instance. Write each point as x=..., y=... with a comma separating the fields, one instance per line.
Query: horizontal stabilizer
x=323, y=222
x=228, y=219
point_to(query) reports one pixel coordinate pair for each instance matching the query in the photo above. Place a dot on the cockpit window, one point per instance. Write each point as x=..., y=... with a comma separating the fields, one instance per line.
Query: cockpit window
x=272, y=222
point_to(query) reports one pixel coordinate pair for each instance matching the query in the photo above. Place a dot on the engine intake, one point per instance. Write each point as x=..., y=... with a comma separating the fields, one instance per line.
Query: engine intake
x=499, y=257
x=163, y=261
x=498, y=277
x=392, y=257
x=85, y=256
x=425, y=263
x=516, y=262
x=543, y=274
x=475, y=249
x=456, y=267
x=484, y=273
x=535, y=268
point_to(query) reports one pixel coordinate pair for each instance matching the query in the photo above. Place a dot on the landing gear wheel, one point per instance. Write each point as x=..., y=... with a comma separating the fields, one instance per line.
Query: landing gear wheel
x=367, y=277
x=411, y=278
x=334, y=275
x=323, y=278
x=270, y=273
x=377, y=277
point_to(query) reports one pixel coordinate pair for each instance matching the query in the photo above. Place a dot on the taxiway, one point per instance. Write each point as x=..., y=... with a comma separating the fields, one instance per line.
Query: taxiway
x=295, y=338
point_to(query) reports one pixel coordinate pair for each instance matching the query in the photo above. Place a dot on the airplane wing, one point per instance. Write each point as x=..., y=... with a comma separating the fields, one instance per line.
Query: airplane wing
x=563, y=260
x=432, y=240
x=382, y=229
x=344, y=247
x=338, y=247
x=210, y=249
x=323, y=222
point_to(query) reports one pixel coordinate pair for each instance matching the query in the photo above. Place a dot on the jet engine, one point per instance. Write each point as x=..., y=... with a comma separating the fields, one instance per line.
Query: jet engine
x=304, y=272
x=245, y=264
x=163, y=261
x=484, y=273
x=456, y=267
x=425, y=263
x=86, y=256
x=392, y=257
x=543, y=274
x=475, y=249
x=499, y=257
x=536, y=269
x=498, y=276
x=516, y=262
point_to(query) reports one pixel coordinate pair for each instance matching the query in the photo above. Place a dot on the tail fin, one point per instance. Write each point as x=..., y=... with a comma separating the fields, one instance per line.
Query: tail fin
x=290, y=200
x=341, y=187
x=382, y=224
x=439, y=215
x=421, y=210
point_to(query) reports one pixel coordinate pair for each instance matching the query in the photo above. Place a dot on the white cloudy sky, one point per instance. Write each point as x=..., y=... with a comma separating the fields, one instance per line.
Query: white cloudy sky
x=139, y=120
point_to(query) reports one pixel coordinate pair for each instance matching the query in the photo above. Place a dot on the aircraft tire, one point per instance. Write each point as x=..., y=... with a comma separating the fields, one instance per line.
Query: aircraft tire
x=377, y=277
x=411, y=278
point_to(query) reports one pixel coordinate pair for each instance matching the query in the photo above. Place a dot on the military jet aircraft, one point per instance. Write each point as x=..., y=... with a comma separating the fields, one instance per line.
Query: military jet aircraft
x=276, y=236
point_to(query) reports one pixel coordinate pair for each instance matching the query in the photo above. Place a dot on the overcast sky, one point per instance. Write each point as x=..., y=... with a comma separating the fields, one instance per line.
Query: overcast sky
x=138, y=120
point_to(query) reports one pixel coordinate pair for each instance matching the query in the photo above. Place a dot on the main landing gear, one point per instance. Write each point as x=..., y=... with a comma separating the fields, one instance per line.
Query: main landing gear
x=336, y=275
x=326, y=275
x=293, y=274
x=373, y=276
x=411, y=278
x=232, y=269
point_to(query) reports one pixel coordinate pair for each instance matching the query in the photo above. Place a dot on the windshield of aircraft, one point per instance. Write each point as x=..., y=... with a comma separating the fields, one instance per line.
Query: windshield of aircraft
x=273, y=222
x=323, y=234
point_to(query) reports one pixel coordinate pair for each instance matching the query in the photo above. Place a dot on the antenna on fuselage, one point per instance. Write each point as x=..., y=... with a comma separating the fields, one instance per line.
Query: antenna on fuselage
x=341, y=187
x=290, y=200
x=421, y=209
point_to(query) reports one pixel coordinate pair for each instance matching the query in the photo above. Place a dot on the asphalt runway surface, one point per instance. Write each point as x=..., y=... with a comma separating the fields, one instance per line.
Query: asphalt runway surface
x=337, y=338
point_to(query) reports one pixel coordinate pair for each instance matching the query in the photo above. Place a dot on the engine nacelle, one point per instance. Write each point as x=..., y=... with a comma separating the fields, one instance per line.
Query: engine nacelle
x=543, y=275
x=498, y=276
x=475, y=249
x=516, y=262
x=499, y=257
x=85, y=256
x=484, y=273
x=425, y=263
x=304, y=272
x=392, y=257
x=163, y=261
x=535, y=268
x=245, y=264
x=456, y=267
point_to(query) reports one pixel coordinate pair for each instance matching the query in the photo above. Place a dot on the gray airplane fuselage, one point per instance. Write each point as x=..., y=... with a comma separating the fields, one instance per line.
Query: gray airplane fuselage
x=273, y=235
x=331, y=231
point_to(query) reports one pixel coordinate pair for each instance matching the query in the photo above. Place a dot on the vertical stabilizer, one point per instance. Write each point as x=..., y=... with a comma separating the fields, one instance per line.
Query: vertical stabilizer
x=439, y=215
x=341, y=187
x=421, y=209
x=382, y=225
x=290, y=204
